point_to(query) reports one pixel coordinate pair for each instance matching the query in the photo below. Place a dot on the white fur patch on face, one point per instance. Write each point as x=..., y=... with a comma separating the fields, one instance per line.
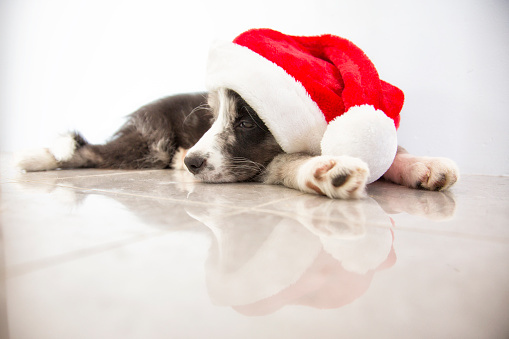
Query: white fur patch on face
x=211, y=146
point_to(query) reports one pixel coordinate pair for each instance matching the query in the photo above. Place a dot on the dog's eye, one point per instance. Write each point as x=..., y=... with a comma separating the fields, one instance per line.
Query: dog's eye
x=246, y=124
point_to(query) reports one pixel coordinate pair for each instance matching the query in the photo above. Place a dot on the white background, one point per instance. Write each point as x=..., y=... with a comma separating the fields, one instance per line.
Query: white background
x=85, y=64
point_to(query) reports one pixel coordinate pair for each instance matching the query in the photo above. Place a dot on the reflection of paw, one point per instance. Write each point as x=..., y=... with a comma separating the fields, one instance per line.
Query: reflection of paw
x=343, y=219
x=430, y=205
x=336, y=177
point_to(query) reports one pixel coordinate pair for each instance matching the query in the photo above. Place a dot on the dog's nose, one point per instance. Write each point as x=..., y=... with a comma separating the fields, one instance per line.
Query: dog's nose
x=195, y=164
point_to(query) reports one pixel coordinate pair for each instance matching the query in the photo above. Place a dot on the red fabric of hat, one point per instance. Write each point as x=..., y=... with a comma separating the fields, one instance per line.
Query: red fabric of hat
x=335, y=72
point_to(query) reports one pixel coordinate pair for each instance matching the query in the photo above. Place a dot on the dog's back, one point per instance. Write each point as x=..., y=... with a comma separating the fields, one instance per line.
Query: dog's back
x=149, y=139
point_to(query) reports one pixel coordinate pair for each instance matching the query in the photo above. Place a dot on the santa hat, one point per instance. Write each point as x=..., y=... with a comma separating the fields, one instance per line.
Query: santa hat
x=317, y=94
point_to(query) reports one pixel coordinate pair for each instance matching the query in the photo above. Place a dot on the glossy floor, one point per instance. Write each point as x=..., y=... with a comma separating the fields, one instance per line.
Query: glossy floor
x=152, y=254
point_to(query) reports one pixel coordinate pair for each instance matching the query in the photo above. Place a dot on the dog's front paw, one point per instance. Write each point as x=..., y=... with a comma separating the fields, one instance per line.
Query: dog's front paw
x=434, y=174
x=429, y=173
x=336, y=177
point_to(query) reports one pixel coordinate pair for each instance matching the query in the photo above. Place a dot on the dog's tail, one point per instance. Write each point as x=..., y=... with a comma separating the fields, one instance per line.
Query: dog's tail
x=128, y=149
x=68, y=151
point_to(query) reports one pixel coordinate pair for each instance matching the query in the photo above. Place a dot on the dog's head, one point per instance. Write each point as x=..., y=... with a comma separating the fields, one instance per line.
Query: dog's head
x=238, y=145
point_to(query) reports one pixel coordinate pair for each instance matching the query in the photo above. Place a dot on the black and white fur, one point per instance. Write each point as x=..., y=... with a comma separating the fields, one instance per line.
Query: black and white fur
x=220, y=138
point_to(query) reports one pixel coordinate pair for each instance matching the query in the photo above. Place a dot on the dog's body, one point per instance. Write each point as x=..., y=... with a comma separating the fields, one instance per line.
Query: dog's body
x=224, y=140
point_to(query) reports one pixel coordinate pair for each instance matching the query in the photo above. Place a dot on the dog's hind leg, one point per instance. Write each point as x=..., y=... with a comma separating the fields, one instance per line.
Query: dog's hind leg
x=341, y=177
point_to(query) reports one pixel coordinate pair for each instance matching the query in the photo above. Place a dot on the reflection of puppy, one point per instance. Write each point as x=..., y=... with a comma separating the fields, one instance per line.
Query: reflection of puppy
x=325, y=285
x=260, y=270
x=237, y=147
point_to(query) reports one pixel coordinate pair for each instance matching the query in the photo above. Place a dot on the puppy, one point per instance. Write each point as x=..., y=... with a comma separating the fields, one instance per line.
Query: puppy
x=220, y=138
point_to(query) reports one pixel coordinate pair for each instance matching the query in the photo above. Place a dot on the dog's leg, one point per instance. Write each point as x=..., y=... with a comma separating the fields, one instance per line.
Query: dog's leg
x=336, y=177
x=434, y=174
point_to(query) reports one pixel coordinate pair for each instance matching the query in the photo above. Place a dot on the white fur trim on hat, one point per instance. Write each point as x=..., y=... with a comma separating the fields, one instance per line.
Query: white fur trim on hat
x=282, y=102
x=366, y=133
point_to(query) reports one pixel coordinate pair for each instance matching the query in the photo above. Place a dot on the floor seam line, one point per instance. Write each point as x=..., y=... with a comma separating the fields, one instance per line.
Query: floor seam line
x=191, y=202
x=35, y=265
x=84, y=176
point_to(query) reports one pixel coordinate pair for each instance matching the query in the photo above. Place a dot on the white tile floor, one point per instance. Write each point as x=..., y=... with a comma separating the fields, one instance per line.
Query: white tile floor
x=152, y=254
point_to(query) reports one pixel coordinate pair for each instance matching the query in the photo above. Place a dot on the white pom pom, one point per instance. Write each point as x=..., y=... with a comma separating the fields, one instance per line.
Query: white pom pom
x=366, y=133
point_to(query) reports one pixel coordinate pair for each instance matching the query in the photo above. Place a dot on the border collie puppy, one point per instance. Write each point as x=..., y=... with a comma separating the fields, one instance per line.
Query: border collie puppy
x=220, y=138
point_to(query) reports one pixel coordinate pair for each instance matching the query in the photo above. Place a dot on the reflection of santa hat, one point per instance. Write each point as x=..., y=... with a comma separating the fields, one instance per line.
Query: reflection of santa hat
x=319, y=95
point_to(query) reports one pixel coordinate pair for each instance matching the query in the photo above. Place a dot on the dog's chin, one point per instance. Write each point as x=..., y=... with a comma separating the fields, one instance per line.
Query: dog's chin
x=214, y=178
x=217, y=178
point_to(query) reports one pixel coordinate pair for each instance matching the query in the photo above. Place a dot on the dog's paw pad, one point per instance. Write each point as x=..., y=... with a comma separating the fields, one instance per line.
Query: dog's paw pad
x=340, y=179
x=440, y=175
x=322, y=169
x=441, y=182
x=337, y=177
x=433, y=185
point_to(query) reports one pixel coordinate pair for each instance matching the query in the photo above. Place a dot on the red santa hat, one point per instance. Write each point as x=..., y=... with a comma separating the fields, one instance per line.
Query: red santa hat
x=317, y=94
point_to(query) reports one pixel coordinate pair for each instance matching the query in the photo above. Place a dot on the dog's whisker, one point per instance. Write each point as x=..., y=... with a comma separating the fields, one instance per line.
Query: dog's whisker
x=196, y=109
x=248, y=162
x=242, y=167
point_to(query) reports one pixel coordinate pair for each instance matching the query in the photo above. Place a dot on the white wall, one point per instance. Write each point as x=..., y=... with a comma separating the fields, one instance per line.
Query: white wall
x=84, y=64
